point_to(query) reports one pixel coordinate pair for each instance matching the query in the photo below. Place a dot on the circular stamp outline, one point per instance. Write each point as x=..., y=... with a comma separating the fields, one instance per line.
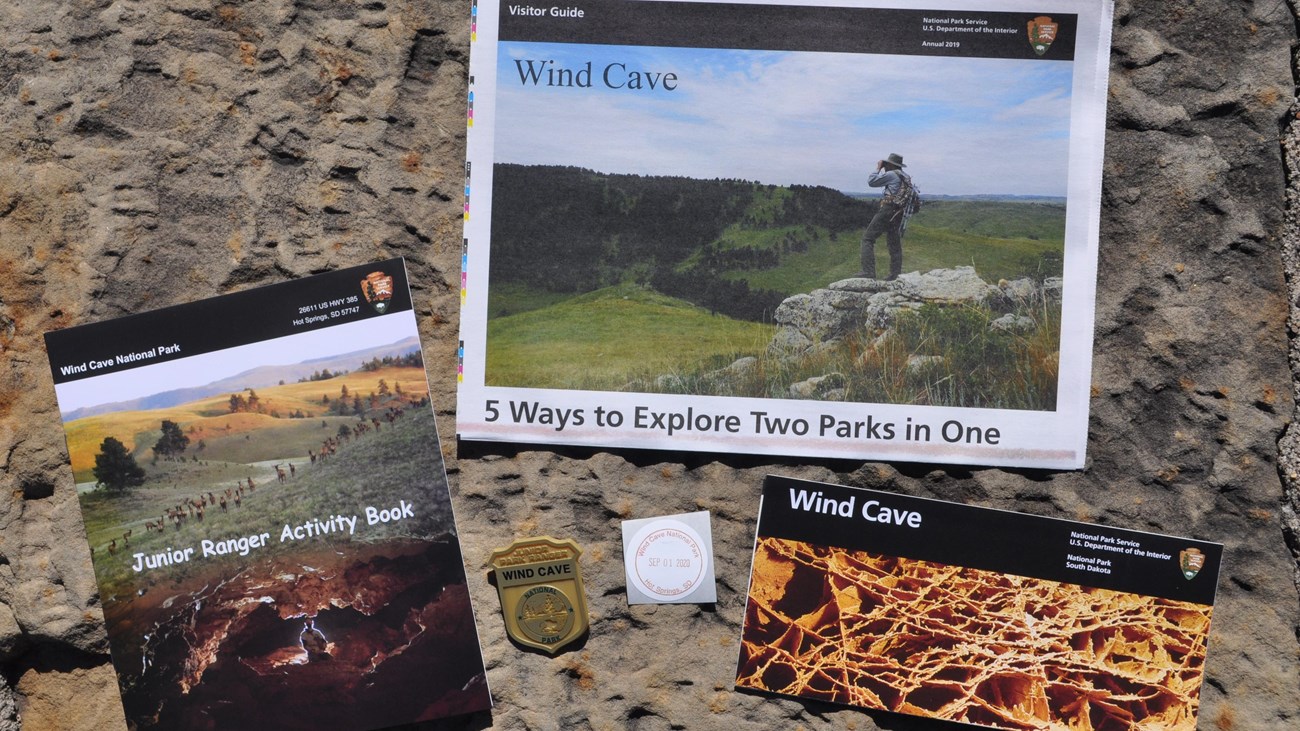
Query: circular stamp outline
x=692, y=539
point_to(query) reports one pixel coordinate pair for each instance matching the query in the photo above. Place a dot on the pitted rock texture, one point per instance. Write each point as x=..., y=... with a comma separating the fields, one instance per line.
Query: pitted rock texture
x=160, y=151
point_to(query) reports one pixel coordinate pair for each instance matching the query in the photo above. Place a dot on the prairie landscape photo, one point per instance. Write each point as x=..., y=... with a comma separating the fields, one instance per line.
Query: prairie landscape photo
x=702, y=235
x=272, y=535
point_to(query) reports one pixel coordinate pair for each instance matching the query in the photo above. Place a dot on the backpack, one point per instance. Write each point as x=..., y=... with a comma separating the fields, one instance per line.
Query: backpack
x=908, y=196
x=908, y=199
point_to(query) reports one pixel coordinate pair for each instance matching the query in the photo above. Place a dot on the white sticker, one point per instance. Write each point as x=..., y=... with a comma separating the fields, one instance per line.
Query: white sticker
x=667, y=560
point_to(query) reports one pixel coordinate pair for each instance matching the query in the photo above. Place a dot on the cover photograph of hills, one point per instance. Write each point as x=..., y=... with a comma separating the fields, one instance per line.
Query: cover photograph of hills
x=272, y=535
x=653, y=252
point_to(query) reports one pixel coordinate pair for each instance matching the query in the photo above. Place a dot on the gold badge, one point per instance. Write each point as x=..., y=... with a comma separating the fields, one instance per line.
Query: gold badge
x=541, y=592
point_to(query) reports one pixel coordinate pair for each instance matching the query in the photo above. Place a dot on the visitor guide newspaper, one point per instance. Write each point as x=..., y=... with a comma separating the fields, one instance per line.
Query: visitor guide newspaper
x=986, y=617
x=850, y=229
x=267, y=509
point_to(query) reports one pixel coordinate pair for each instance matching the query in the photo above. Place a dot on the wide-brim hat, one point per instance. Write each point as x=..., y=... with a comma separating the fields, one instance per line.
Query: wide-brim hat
x=895, y=159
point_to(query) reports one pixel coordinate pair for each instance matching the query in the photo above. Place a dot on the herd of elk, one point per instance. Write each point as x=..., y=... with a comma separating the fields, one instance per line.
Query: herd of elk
x=194, y=508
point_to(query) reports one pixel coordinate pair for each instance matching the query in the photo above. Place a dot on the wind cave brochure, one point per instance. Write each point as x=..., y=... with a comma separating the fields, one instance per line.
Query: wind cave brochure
x=974, y=615
x=666, y=205
x=267, y=509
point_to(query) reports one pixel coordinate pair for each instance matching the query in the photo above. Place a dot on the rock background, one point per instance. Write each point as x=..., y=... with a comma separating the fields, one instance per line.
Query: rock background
x=159, y=151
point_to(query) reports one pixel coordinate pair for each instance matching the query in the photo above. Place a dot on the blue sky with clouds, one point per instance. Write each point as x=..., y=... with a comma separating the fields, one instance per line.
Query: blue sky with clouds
x=963, y=126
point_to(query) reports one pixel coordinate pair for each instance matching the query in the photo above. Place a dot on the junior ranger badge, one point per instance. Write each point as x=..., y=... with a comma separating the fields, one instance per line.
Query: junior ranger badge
x=542, y=597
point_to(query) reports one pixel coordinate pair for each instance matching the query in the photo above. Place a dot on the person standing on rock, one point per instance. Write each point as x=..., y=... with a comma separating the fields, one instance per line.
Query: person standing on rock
x=898, y=204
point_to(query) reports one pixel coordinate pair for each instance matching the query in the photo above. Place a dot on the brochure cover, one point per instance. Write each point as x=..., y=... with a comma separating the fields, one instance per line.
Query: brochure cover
x=267, y=509
x=967, y=614
x=695, y=225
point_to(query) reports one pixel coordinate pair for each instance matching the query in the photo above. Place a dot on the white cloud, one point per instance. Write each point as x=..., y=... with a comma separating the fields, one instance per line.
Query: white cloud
x=963, y=125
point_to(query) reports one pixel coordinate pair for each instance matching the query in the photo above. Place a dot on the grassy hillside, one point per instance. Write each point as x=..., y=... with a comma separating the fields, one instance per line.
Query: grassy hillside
x=944, y=235
x=567, y=231
x=511, y=298
x=606, y=282
x=964, y=362
x=1000, y=239
x=229, y=436
x=401, y=461
x=603, y=339
x=1034, y=220
x=731, y=246
x=925, y=247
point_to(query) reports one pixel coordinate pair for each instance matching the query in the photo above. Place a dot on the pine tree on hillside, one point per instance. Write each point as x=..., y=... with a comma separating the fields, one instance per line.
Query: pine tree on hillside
x=172, y=442
x=115, y=468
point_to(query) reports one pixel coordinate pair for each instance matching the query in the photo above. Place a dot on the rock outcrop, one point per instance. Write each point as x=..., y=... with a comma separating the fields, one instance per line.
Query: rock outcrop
x=819, y=319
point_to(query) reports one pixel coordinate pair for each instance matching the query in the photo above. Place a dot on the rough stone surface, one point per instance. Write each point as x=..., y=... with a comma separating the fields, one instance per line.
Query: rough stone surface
x=818, y=386
x=8, y=708
x=1018, y=290
x=883, y=307
x=66, y=691
x=917, y=363
x=1011, y=322
x=959, y=285
x=1052, y=287
x=812, y=320
x=155, y=152
x=817, y=317
x=723, y=381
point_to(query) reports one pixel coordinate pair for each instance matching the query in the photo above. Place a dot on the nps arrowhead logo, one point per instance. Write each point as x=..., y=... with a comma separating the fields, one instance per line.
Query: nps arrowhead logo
x=1042, y=31
x=377, y=288
x=1190, y=560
